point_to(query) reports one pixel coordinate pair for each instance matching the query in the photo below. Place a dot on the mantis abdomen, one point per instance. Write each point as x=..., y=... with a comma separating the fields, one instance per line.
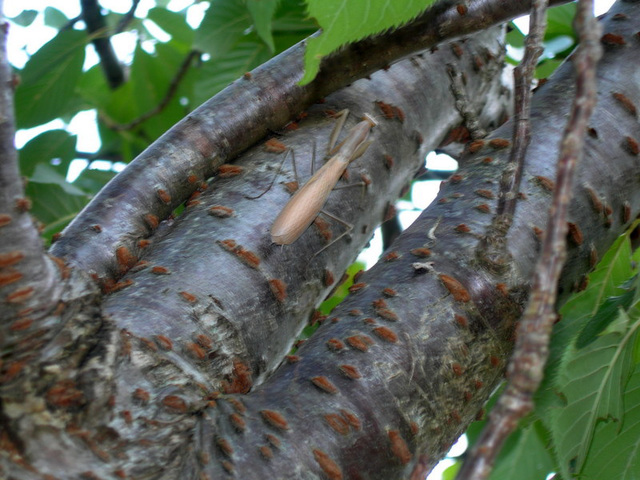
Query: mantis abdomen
x=307, y=202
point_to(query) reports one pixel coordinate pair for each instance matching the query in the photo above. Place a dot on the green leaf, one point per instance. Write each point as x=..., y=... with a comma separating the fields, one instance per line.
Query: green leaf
x=592, y=380
x=149, y=82
x=92, y=180
x=612, y=271
x=55, y=18
x=54, y=207
x=223, y=25
x=451, y=471
x=345, y=22
x=151, y=76
x=606, y=314
x=515, y=37
x=215, y=75
x=560, y=21
x=291, y=16
x=526, y=458
x=25, y=18
x=615, y=451
x=92, y=88
x=47, y=174
x=547, y=67
x=49, y=80
x=525, y=454
x=45, y=147
x=291, y=25
x=262, y=13
x=118, y=106
x=175, y=24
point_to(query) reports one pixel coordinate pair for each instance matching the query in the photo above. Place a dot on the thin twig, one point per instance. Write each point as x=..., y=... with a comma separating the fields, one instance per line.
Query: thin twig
x=71, y=23
x=127, y=17
x=523, y=75
x=492, y=249
x=171, y=91
x=99, y=156
x=526, y=368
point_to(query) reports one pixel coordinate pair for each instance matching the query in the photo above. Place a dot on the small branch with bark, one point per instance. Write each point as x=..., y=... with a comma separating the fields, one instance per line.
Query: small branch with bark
x=492, y=250
x=523, y=77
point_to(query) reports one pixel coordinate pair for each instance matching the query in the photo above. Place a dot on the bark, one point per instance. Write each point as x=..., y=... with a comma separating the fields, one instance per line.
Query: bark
x=191, y=272
x=156, y=182
x=404, y=363
x=427, y=355
x=29, y=280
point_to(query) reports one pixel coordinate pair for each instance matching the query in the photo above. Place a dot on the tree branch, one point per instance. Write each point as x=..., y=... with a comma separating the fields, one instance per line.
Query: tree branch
x=526, y=367
x=492, y=250
x=405, y=362
x=222, y=214
x=409, y=387
x=238, y=117
x=193, y=333
x=124, y=21
x=97, y=30
x=28, y=278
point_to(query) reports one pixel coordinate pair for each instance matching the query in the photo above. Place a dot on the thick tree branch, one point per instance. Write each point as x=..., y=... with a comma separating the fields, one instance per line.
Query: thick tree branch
x=223, y=214
x=404, y=371
x=401, y=367
x=28, y=278
x=238, y=117
x=195, y=331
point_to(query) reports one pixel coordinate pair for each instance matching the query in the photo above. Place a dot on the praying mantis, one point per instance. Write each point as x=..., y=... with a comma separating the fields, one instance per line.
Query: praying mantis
x=306, y=203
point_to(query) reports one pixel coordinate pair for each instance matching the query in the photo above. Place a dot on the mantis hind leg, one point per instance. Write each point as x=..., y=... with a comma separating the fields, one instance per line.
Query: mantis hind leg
x=348, y=226
x=286, y=154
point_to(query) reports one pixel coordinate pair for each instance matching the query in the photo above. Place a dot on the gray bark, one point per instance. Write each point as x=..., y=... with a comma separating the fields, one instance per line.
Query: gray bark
x=237, y=118
x=402, y=366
